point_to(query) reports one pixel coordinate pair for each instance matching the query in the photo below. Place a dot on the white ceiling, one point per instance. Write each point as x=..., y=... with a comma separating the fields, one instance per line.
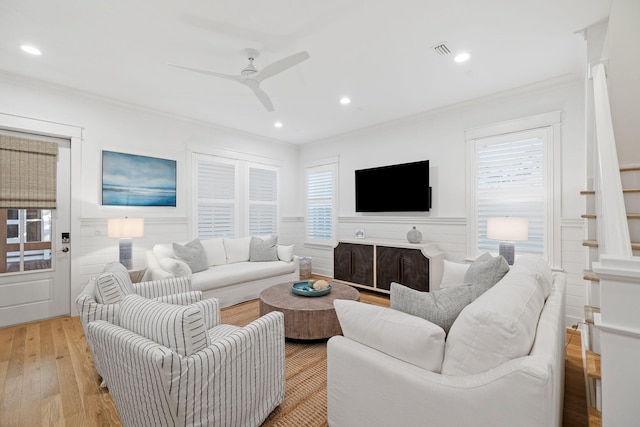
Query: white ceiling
x=379, y=52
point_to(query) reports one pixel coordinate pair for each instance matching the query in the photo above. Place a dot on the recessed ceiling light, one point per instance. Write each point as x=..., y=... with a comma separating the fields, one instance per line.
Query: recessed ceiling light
x=278, y=124
x=462, y=57
x=31, y=49
x=345, y=100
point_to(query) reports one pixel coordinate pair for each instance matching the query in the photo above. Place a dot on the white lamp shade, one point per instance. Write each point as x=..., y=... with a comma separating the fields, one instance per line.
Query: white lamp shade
x=508, y=228
x=125, y=227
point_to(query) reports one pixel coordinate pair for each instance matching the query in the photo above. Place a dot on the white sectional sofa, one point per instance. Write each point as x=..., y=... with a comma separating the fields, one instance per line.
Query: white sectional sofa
x=501, y=364
x=230, y=274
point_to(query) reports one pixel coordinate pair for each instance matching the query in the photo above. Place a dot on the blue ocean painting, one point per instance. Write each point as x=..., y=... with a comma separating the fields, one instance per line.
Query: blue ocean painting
x=130, y=180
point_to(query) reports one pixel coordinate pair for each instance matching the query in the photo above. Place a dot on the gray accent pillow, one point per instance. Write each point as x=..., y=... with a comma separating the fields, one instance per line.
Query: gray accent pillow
x=440, y=307
x=263, y=250
x=193, y=254
x=485, y=272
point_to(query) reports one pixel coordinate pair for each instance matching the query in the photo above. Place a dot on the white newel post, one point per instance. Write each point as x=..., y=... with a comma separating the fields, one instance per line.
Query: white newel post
x=619, y=327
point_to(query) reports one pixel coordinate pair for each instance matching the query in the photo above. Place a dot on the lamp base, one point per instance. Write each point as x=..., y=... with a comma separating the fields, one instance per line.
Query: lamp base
x=125, y=252
x=508, y=251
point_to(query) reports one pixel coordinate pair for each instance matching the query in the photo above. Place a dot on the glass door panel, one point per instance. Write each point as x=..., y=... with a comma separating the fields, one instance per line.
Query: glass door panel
x=26, y=244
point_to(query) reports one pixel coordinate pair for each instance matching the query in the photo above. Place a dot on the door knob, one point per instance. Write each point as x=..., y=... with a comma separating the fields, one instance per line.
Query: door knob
x=65, y=249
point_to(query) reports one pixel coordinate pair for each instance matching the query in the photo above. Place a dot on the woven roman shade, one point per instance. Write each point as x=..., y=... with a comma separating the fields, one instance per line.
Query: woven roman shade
x=27, y=173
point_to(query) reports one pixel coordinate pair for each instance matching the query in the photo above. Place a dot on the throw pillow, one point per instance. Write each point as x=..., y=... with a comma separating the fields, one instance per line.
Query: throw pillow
x=237, y=250
x=214, y=248
x=498, y=327
x=440, y=307
x=113, y=284
x=453, y=274
x=397, y=334
x=263, y=250
x=285, y=253
x=538, y=268
x=179, y=327
x=193, y=254
x=163, y=250
x=485, y=272
x=175, y=266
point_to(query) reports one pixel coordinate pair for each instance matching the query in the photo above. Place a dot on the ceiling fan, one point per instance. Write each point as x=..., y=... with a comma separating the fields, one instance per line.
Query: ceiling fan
x=252, y=77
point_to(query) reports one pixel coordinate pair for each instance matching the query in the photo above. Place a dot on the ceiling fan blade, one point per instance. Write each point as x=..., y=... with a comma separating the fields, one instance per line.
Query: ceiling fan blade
x=211, y=73
x=281, y=65
x=263, y=97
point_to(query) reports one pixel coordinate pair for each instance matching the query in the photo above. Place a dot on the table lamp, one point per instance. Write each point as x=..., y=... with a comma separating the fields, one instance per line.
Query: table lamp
x=508, y=230
x=125, y=229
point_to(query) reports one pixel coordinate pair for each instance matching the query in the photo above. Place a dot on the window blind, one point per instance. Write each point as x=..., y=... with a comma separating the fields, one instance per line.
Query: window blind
x=511, y=182
x=263, y=201
x=320, y=203
x=216, y=206
x=28, y=173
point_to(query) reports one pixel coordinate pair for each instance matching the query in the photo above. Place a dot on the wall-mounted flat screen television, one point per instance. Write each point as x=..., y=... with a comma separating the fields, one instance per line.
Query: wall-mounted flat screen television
x=396, y=188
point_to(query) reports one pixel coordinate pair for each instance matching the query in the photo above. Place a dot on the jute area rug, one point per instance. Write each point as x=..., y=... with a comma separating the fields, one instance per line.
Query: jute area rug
x=305, y=399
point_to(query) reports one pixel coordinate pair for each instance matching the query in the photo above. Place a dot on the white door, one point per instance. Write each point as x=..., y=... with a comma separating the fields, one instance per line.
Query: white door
x=34, y=259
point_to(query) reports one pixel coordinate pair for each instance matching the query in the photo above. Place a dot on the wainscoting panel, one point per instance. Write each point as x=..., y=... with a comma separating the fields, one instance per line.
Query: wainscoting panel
x=97, y=249
x=447, y=233
x=574, y=259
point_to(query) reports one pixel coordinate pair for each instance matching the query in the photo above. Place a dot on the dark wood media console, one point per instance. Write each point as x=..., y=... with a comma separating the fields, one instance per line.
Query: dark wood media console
x=374, y=264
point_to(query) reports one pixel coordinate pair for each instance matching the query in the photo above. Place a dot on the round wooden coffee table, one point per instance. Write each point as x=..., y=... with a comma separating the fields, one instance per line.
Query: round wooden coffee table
x=306, y=318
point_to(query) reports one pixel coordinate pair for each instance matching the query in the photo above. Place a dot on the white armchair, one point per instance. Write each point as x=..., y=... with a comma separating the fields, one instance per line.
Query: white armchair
x=169, y=365
x=101, y=296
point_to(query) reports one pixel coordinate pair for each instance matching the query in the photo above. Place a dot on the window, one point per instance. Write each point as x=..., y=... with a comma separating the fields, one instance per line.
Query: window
x=263, y=200
x=512, y=175
x=216, y=197
x=321, y=205
x=27, y=240
x=235, y=197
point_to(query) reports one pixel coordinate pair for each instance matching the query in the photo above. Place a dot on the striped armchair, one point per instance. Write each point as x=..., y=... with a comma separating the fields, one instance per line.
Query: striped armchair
x=169, y=365
x=101, y=296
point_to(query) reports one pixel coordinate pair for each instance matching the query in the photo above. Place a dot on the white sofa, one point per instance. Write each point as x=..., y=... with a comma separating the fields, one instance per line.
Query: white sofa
x=230, y=277
x=392, y=368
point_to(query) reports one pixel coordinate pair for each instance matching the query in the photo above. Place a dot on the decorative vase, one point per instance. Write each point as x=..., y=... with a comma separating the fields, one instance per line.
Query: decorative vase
x=414, y=235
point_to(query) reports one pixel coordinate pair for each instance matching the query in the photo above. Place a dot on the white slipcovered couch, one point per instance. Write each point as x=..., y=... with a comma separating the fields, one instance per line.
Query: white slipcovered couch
x=232, y=274
x=501, y=364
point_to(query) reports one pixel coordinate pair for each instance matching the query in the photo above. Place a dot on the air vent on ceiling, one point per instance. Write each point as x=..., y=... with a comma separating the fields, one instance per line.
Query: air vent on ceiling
x=441, y=49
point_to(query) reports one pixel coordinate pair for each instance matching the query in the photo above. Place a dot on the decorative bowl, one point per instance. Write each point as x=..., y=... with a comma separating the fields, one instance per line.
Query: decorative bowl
x=304, y=289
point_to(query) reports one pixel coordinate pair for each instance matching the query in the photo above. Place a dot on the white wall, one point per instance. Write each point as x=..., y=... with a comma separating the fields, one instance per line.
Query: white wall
x=108, y=125
x=624, y=84
x=439, y=136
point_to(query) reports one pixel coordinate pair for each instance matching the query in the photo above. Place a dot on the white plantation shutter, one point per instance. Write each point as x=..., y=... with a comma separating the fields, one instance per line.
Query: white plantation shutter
x=263, y=201
x=511, y=181
x=216, y=197
x=320, y=203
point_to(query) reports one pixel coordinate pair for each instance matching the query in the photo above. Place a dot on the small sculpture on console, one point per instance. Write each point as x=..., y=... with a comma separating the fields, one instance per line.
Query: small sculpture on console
x=414, y=235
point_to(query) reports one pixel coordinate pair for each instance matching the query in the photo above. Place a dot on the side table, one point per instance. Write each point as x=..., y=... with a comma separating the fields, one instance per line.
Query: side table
x=137, y=275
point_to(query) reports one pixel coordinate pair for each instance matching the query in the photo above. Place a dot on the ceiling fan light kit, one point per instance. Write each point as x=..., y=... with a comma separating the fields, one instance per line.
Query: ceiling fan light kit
x=252, y=77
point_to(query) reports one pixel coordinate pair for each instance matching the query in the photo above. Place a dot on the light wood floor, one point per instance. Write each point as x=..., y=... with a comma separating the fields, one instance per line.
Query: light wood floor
x=47, y=375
